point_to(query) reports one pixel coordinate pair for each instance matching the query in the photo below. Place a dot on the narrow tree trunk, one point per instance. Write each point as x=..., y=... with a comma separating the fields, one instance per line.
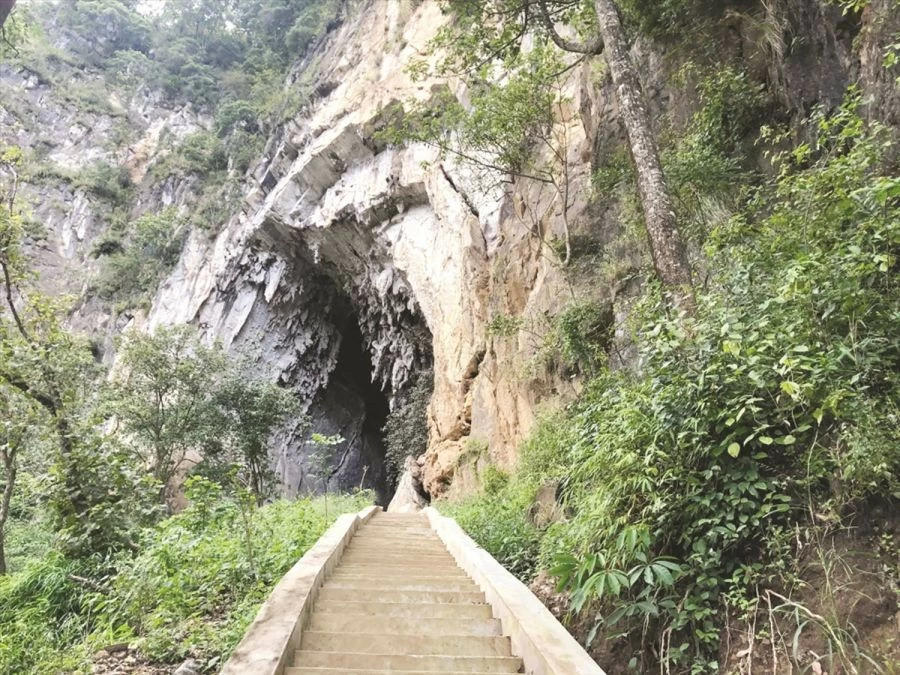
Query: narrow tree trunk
x=9, y=466
x=5, y=8
x=666, y=245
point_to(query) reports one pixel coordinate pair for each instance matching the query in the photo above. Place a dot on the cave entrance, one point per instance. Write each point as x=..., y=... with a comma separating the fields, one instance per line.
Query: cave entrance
x=353, y=376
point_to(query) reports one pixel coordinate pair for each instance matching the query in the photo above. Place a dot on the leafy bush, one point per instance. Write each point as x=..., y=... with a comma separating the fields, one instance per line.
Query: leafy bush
x=498, y=520
x=133, y=269
x=108, y=182
x=41, y=618
x=665, y=18
x=202, y=574
x=706, y=165
x=192, y=590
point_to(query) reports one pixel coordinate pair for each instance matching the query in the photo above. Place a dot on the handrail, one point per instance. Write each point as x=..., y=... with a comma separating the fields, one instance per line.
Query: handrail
x=275, y=632
x=537, y=637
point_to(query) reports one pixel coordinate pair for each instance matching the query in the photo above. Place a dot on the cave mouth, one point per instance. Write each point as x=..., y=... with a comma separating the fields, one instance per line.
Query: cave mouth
x=353, y=373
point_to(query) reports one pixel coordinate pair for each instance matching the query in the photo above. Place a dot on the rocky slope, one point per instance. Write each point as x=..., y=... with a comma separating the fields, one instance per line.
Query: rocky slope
x=349, y=249
x=353, y=265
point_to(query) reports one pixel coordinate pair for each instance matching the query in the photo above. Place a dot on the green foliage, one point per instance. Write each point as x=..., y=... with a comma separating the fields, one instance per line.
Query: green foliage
x=99, y=498
x=775, y=405
x=41, y=618
x=582, y=335
x=498, y=520
x=133, y=267
x=575, y=340
x=113, y=25
x=494, y=480
x=850, y=6
x=614, y=170
x=13, y=33
x=504, y=325
x=664, y=18
x=163, y=396
x=473, y=450
x=201, y=153
x=406, y=427
x=191, y=590
x=107, y=182
x=705, y=164
x=250, y=410
x=175, y=395
x=194, y=587
x=502, y=125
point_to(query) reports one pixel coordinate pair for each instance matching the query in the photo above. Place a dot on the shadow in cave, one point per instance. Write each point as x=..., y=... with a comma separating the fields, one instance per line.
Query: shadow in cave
x=353, y=373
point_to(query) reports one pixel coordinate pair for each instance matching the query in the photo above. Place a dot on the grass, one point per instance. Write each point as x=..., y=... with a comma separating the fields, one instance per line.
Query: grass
x=191, y=591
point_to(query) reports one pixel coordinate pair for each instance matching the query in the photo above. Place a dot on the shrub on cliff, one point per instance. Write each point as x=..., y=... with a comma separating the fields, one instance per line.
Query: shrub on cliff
x=406, y=428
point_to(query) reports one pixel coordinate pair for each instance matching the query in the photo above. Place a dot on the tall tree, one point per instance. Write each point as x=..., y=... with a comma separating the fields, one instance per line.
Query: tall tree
x=513, y=20
x=181, y=402
x=38, y=358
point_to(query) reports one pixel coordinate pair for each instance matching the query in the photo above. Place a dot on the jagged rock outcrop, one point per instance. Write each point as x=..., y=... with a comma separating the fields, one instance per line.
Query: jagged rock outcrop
x=419, y=252
x=408, y=496
x=351, y=265
x=62, y=140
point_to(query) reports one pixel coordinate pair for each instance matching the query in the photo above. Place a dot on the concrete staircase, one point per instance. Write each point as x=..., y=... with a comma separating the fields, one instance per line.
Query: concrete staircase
x=398, y=603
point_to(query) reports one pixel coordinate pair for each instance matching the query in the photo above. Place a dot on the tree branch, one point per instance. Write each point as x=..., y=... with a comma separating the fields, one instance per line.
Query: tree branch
x=17, y=382
x=595, y=46
x=7, y=281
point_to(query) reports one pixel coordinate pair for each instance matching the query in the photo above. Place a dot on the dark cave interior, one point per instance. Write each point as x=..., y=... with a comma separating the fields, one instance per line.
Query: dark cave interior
x=353, y=374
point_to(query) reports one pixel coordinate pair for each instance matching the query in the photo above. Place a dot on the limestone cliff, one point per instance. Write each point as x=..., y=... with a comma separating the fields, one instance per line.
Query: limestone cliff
x=352, y=265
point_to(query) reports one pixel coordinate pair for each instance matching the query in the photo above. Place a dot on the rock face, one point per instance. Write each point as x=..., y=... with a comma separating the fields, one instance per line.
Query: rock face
x=63, y=139
x=408, y=496
x=353, y=265
x=409, y=256
x=344, y=235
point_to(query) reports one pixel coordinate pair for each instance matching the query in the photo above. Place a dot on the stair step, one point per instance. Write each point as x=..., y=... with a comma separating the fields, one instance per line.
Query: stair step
x=411, y=532
x=377, y=642
x=424, y=550
x=402, y=584
x=350, y=623
x=377, y=537
x=393, y=560
x=392, y=566
x=373, y=577
x=344, y=671
x=388, y=547
x=397, y=556
x=398, y=570
x=396, y=541
x=350, y=595
x=401, y=663
x=410, y=557
x=418, y=610
x=410, y=560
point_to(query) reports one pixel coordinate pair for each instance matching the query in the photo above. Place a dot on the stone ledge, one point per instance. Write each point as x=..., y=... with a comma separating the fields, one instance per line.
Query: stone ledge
x=537, y=637
x=275, y=632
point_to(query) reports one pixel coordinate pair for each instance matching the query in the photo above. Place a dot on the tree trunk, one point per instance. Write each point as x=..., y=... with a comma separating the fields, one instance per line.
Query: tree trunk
x=666, y=245
x=9, y=466
x=5, y=8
